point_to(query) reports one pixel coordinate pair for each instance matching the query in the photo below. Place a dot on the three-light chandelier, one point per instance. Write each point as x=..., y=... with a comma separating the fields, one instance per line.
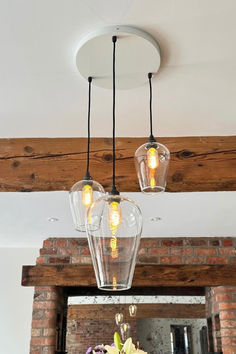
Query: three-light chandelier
x=112, y=221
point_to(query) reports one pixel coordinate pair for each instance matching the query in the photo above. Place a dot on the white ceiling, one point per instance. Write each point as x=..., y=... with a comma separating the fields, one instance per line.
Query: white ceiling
x=42, y=94
x=24, y=216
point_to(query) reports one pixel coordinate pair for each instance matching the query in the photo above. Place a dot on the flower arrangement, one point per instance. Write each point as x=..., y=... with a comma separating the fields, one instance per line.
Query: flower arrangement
x=99, y=349
x=117, y=348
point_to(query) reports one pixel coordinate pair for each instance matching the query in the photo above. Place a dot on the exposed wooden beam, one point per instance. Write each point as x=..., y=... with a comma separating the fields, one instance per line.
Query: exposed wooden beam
x=138, y=291
x=145, y=275
x=79, y=312
x=34, y=164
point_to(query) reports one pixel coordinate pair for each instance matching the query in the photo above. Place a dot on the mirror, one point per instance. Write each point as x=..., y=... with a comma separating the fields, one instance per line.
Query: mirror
x=163, y=324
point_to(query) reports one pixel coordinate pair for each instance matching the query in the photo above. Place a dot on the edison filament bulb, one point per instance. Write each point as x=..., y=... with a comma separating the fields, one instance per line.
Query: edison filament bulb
x=153, y=163
x=119, y=318
x=125, y=331
x=87, y=195
x=114, y=215
x=152, y=178
x=132, y=310
x=152, y=157
x=114, y=219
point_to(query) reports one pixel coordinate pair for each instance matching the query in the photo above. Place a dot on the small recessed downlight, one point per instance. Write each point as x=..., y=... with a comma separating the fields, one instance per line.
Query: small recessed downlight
x=155, y=219
x=53, y=219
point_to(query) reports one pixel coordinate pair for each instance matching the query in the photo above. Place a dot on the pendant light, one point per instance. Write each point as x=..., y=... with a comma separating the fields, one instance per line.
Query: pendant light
x=152, y=160
x=132, y=310
x=86, y=191
x=114, y=225
x=119, y=318
x=125, y=331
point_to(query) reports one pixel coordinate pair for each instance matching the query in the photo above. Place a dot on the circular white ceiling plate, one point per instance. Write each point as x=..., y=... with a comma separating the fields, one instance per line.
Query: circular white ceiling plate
x=137, y=54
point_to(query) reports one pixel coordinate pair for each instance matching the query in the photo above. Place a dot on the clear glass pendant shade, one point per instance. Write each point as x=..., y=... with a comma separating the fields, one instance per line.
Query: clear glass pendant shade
x=152, y=162
x=125, y=331
x=82, y=195
x=114, y=225
x=132, y=310
x=119, y=318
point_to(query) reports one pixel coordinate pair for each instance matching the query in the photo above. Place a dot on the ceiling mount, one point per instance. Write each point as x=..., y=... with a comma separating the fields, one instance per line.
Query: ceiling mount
x=137, y=55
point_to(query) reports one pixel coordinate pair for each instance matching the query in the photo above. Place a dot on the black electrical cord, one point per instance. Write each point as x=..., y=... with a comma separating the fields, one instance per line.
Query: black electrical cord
x=87, y=175
x=113, y=189
x=151, y=137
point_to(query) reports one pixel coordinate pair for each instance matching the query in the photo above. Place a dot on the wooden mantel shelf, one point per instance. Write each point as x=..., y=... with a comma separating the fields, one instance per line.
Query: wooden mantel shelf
x=145, y=275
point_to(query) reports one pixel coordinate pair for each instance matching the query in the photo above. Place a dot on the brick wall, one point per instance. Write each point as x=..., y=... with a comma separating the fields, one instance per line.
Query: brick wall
x=49, y=301
x=152, y=250
x=84, y=333
x=221, y=309
x=49, y=306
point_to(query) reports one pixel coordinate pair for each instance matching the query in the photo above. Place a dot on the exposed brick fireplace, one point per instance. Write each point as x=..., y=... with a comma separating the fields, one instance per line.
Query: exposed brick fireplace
x=221, y=314
x=50, y=303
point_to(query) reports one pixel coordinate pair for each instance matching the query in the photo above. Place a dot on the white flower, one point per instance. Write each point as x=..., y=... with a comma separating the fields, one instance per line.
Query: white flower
x=128, y=348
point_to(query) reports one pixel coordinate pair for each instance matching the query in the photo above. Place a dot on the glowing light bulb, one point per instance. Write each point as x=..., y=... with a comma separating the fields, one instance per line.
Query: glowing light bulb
x=119, y=318
x=90, y=218
x=114, y=283
x=132, y=310
x=87, y=195
x=114, y=218
x=152, y=182
x=114, y=215
x=152, y=158
x=152, y=178
x=125, y=330
x=113, y=245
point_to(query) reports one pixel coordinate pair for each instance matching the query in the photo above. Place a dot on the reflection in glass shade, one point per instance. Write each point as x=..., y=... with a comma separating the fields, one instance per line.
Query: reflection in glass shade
x=119, y=318
x=132, y=310
x=125, y=331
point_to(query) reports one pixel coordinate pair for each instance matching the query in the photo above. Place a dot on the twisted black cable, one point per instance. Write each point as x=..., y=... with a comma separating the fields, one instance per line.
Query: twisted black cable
x=89, y=109
x=151, y=137
x=114, y=190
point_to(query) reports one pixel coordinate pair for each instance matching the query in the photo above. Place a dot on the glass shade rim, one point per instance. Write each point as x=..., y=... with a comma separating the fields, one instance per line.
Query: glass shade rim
x=110, y=287
x=154, y=192
x=81, y=229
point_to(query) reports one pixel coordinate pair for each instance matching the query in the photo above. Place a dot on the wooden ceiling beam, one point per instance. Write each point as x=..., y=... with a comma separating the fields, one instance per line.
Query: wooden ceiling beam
x=107, y=312
x=144, y=276
x=50, y=164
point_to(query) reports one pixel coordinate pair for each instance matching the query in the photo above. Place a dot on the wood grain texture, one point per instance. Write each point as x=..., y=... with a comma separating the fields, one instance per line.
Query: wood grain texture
x=145, y=275
x=49, y=164
x=79, y=312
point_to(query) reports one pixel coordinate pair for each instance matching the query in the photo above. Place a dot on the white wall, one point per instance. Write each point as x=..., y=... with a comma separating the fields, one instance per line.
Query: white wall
x=15, y=300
